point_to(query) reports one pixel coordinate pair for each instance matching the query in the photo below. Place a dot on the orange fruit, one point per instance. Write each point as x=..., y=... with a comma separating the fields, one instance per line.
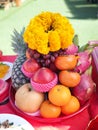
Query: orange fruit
x=66, y=62
x=69, y=78
x=49, y=110
x=59, y=95
x=72, y=106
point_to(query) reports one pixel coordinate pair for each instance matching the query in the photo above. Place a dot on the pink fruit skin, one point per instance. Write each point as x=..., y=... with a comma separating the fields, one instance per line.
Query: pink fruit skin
x=4, y=87
x=72, y=49
x=31, y=65
x=85, y=89
x=43, y=75
x=84, y=62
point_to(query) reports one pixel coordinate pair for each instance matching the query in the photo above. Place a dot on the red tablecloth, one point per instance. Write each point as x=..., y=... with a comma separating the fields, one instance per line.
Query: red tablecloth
x=76, y=122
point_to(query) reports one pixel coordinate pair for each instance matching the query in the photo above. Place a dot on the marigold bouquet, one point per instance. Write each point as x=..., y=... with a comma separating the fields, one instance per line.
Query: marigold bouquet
x=48, y=32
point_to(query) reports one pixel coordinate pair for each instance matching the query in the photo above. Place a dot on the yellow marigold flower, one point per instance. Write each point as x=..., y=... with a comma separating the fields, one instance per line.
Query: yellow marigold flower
x=45, y=20
x=54, y=41
x=48, y=32
x=65, y=39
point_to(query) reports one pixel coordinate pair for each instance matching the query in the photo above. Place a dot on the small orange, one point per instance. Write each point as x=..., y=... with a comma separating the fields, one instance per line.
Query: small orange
x=59, y=95
x=49, y=110
x=69, y=78
x=66, y=62
x=72, y=107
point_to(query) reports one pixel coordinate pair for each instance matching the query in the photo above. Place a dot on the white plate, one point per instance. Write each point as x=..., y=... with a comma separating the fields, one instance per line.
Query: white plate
x=8, y=74
x=19, y=122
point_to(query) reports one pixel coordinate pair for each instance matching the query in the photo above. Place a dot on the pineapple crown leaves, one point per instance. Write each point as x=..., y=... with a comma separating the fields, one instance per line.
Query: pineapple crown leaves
x=18, y=44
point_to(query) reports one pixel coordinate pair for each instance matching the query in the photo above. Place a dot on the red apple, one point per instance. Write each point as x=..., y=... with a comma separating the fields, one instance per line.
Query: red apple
x=27, y=99
x=31, y=65
x=43, y=76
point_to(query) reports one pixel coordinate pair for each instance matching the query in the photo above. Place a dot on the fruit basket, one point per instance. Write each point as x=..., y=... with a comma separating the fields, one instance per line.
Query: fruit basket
x=51, y=65
x=38, y=118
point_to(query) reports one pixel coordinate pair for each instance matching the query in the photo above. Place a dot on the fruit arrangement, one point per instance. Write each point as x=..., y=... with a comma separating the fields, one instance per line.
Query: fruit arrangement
x=51, y=74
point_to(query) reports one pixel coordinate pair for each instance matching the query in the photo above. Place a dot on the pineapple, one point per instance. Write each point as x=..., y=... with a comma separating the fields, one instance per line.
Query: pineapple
x=18, y=78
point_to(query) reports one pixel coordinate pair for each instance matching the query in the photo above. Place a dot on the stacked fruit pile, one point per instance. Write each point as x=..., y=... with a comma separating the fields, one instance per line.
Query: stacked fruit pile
x=50, y=75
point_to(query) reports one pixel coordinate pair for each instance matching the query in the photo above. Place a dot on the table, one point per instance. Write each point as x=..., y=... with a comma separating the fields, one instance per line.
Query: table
x=76, y=122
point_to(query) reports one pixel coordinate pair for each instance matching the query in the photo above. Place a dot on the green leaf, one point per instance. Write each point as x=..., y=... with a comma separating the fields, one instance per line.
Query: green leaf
x=76, y=40
x=83, y=48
